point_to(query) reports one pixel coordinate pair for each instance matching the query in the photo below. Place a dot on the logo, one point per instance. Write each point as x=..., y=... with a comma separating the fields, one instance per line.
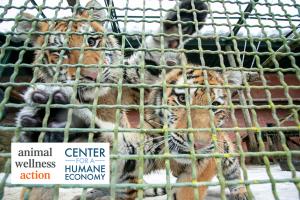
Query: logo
x=60, y=163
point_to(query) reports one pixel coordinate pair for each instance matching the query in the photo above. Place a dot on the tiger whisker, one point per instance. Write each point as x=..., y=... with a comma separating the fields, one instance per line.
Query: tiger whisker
x=156, y=145
x=151, y=139
x=150, y=115
x=180, y=145
x=157, y=123
x=160, y=143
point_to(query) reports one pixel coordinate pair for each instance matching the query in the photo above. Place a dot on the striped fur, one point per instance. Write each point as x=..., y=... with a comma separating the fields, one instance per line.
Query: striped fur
x=55, y=62
x=129, y=142
x=92, y=36
x=154, y=143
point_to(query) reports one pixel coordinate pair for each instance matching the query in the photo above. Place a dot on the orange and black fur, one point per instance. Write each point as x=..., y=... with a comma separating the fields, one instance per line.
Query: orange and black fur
x=88, y=40
x=209, y=93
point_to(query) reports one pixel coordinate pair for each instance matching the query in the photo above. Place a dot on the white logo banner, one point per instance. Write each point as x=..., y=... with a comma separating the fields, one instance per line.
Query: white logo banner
x=60, y=163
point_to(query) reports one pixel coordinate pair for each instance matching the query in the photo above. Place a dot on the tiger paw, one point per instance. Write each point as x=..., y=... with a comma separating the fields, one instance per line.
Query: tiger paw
x=31, y=116
x=94, y=195
x=238, y=193
x=40, y=94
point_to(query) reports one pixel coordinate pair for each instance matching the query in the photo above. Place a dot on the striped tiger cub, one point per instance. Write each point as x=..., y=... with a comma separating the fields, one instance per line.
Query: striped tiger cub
x=86, y=43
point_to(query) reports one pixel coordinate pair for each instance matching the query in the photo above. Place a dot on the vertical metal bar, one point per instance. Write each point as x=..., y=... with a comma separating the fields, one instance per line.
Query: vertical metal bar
x=244, y=16
x=166, y=132
x=246, y=114
x=113, y=16
x=38, y=8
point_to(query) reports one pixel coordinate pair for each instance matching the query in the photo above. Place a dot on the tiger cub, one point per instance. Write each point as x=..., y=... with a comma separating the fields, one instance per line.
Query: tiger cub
x=60, y=66
x=88, y=38
x=203, y=88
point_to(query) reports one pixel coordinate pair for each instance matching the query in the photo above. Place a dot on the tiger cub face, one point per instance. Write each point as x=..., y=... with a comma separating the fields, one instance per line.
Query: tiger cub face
x=200, y=91
x=65, y=43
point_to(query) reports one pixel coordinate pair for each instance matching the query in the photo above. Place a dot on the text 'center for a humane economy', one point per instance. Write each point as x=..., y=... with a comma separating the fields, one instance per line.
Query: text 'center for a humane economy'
x=60, y=163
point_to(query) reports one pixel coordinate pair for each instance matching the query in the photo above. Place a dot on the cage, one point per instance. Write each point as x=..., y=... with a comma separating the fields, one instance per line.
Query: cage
x=128, y=52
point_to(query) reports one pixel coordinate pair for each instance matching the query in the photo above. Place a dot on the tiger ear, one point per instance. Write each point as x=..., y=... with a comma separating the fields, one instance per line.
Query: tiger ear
x=95, y=10
x=25, y=25
x=236, y=78
x=186, y=13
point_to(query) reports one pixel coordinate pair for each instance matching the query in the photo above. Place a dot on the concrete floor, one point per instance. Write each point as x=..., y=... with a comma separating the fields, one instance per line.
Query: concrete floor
x=285, y=191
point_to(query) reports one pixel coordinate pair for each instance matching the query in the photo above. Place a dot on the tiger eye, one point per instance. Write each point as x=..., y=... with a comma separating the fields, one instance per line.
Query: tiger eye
x=181, y=98
x=92, y=41
x=215, y=103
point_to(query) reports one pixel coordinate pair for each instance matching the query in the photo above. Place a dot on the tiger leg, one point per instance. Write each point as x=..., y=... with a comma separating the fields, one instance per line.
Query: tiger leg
x=127, y=172
x=37, y=193
x=207, y=172
x=231, y=171
x=122, y=194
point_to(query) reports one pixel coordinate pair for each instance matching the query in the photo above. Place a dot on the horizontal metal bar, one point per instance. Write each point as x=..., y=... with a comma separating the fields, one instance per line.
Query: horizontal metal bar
x=143, y=130
x=196, y=155
x=175, y=185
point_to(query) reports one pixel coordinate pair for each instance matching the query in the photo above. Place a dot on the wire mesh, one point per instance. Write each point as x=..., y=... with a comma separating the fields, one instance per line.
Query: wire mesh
x=238, y=36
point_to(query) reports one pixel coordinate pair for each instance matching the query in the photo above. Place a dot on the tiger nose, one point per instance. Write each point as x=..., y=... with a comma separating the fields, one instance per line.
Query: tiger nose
x=89, y=74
